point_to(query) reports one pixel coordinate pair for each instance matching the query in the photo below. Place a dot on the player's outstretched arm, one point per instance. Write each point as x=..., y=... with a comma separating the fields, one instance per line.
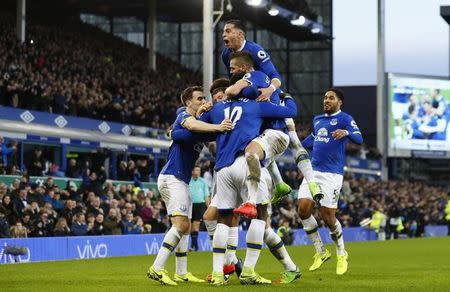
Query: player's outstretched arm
x=270, y=110
x=195, y=125
x=236, y=88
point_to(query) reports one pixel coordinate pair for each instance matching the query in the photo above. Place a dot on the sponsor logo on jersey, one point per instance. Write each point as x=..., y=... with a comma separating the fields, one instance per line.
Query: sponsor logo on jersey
x=322, y=135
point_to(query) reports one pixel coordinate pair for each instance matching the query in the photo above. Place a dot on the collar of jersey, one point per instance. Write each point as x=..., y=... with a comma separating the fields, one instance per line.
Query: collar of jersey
x=332, y=115
x=243, y=45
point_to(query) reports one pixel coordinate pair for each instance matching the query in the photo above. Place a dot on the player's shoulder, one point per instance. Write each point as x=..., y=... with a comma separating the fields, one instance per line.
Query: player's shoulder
x=345, y=116
x=256, y=50
x=183, y=115
x=318, y=117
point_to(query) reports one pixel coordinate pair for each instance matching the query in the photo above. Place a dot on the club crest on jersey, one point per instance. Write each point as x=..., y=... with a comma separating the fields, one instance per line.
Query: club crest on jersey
x=262, y=55
x=333, y=122
x=322, y=135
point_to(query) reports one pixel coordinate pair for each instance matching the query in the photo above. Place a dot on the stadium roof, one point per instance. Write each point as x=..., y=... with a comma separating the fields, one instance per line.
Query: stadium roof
x=191, y=11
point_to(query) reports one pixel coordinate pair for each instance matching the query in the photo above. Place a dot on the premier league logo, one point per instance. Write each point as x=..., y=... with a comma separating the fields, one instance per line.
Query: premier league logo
x=333, y=122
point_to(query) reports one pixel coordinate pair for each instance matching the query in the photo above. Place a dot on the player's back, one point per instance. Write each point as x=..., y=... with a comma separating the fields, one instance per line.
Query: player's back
x=244, y=114
x=182, y=155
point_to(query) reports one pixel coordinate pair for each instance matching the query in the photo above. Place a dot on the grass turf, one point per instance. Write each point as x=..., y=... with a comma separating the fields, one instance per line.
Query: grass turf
x=401, y=265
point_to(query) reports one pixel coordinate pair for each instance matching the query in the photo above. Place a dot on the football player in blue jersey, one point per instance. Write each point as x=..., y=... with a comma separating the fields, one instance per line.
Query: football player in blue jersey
x=234, y=40
x=271, y=143
x=247, y=117
x=173, y=185
x=271, y=239
x=332, y=131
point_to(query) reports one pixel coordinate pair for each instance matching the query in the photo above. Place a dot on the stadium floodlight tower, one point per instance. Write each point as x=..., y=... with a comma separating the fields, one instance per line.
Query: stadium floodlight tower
x=445, y=14
x=20, y=18
x=381, y=90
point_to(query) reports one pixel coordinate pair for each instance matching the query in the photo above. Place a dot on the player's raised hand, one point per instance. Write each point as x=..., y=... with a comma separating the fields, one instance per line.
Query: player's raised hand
x=226, y=126
x=265, y=94
x=339, y=133
x=204, y=108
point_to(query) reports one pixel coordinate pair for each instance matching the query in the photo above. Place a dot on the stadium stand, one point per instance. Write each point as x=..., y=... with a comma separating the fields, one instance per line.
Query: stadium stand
x=80, y=70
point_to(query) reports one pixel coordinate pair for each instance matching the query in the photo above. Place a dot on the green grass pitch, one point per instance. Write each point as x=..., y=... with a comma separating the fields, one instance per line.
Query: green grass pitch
x=401, y=265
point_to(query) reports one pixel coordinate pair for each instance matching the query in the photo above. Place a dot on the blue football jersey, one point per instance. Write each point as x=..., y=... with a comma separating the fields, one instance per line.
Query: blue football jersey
x=261, y=80
x=247, y=117
x=182, y=154
x=328, y=154
x=260, y=57
x=402, y=94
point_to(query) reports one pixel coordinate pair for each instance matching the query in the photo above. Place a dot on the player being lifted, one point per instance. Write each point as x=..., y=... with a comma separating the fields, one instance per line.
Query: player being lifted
x=174, y=189
x=247, y=116
x=332, y=131
x=271, y=239
x=234, y=39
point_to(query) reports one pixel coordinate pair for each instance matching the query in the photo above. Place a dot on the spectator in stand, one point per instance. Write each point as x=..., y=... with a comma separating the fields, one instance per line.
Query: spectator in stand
x=72, y=169
x=21, y=202
x=37, y=163
x=5, y=151
x=79, y=227
x=61, y=228
x=8, y=208
x=112, y=224
x=4, y=225
x=19, y=231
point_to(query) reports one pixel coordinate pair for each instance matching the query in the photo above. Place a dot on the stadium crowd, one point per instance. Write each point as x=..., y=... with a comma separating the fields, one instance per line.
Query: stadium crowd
x=80, y=70
x=99, y=208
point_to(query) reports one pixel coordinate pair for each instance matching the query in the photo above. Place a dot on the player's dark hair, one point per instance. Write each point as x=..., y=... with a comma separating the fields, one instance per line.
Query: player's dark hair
x=411, y=108
x=187, y=94
x=236, y=77
x=219, y=85
x=236, y=23
x=338, y=93
x=243, y=57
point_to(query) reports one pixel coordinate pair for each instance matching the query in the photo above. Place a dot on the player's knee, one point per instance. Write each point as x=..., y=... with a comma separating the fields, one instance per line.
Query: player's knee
x=210, y=214
x=305, y=208
x=183, y=224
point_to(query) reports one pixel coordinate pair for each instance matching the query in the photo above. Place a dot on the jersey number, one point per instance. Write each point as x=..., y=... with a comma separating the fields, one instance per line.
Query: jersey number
x=235, y=115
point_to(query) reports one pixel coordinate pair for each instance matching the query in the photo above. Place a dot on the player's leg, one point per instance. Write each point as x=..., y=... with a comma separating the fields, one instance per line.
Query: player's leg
x=253, y=154
x=305, y=208
x=333, y=184
x=282, y=189
x=255, y=239
x=302, y=159
x=274, y=143
x=168, y=188
x=232, y=263
x=276, y=246
x=329, y=217
x=210, y=219
x=226, y=201
x=197, y=214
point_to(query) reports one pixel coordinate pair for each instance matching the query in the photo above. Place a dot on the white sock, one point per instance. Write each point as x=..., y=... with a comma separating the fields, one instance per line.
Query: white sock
x=277, y=248
x=255, y=237
x=230, y=255
x=310, y=227
x=253, y=176
x=210, y=227
x=338, y=239
x=181, y=255
x=274, y=172
x=171, y=240
x=301, y=156
x=219, y=247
